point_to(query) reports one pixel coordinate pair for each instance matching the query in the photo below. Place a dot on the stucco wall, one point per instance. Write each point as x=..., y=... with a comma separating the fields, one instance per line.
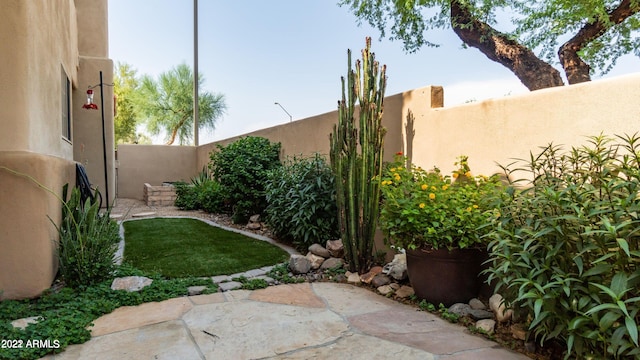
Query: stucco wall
x=311, y=135
x=501, y=129
x=37, y=40
x=27, y=237
x=153, y=164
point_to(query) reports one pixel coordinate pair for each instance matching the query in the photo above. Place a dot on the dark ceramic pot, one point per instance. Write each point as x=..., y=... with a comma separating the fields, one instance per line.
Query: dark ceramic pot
x=445, y=277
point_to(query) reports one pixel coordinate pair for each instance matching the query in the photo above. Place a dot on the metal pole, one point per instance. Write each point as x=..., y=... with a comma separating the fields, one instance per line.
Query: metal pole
x=195, y=73
x=283, y=109
x=104, y=143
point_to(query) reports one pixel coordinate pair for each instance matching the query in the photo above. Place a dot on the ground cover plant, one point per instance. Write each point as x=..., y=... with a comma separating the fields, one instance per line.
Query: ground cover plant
x=65, y=315
x=566, y=248
x=301, y=202
x=180, y=247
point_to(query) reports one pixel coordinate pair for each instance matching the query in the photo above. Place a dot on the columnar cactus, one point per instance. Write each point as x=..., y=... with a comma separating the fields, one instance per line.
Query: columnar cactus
x=356, y=157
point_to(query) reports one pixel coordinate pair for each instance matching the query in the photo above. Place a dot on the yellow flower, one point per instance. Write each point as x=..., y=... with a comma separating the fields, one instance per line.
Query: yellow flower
x=422, y=205
x=467, y=174
x=396, y=177
x=475, y=206
x=432, y=196
x=433, y=188
x=469, y=208
x=393, y=169
x=424, y=187
x=455, y=175
x=445, y=187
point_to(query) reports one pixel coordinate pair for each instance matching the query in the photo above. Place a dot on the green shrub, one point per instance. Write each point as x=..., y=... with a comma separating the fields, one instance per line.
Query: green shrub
x=241, y=169
x=565, y=249
x=301, y=198
x=211, y=197
x=203, y=193
x=186, y=196
x=88, y=241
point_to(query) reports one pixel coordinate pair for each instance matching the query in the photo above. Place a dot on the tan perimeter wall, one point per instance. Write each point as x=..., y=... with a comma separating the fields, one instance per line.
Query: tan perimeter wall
x=153, y=164
x=489, y=132
x=498, y=130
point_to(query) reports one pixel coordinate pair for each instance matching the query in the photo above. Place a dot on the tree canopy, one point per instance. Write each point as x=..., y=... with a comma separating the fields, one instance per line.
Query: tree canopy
x=167, y=104
x=125, y=87
x=581, y=36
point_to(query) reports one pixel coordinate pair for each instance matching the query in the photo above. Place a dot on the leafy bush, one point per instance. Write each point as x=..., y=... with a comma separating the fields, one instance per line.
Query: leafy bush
x=241, y=169
x=301, y=202
x=203, y=193
x=186, y=196
x=565, y=250
x=424, y=209
x=88, y=241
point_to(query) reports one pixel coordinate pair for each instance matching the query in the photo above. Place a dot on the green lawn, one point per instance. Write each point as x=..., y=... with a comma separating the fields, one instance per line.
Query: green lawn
x=189, y=247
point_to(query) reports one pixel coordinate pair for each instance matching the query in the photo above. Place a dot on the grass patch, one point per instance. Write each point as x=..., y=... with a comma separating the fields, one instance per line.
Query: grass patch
x=189, y=247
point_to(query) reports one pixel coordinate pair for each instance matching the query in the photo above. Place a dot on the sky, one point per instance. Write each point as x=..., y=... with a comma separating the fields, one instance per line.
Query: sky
x=292, y=52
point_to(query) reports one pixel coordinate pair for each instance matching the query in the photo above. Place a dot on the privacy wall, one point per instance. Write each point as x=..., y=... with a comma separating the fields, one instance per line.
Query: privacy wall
x=489, y=132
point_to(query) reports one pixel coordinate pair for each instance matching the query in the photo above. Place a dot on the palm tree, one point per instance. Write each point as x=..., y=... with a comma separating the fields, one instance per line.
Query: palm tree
x=167, y=104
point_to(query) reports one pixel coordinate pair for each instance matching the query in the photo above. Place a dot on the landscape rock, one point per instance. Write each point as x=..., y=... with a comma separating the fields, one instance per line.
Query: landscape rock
x=404, y=292
x=380, y=280
x=385, y=290
x=332, y=263
x=220, y=278
x=335, y=248
x=486, y=325
x=231, y=285
x=255, y=218
x=24, y=322
x=255, y=273
x=254, y=226
x=317, y=249
x=368, y=277
x=195, y=290
x=518, y=332
x=397, y=268
x=460, y=309
x=353, y=278
x=130, y=283
x=477, y=304
x=496, y=304
x=299, y=264
x=315, y=260
x=479, y=314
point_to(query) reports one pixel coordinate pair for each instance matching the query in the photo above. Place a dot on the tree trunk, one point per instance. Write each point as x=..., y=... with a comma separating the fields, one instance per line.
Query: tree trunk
x=575, y=68
x=534, y=73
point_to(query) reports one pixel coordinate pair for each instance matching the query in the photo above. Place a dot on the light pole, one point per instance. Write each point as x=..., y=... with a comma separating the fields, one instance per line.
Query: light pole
x=283, y=109
x=196, y=114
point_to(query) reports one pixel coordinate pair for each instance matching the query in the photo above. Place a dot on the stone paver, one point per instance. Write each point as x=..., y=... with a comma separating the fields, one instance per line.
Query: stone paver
x=296, y=321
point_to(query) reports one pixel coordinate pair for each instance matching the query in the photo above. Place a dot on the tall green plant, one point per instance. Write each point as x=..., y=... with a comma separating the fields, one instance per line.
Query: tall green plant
x=88, y=241
x=566, y=249
x=356, y=157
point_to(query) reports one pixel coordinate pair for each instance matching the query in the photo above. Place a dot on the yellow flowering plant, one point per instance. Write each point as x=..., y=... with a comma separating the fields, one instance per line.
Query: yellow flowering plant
x=424, y=209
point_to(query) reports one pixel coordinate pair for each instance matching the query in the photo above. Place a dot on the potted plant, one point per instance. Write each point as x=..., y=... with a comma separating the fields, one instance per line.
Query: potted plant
x=440, y=222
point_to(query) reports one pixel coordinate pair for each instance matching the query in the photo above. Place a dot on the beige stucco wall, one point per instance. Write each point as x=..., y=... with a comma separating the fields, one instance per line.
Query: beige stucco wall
x=501, y=129
x=37, y=40
x=27, y=236
x=311, y=135
x=153, y=164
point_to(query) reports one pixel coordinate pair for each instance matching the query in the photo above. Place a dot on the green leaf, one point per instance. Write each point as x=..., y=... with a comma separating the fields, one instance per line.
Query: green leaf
x=597, y=270
x=632, y=328
x=624, y=245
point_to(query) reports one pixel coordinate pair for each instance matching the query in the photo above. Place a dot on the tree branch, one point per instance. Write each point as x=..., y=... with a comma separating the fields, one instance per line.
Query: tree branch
x=575, y=68
x=534, y=73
